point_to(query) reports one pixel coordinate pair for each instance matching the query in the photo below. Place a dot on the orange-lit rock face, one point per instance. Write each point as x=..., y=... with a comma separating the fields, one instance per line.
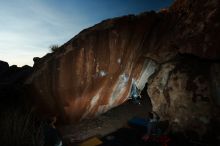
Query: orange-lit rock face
x=93, y=72
x=83, y=84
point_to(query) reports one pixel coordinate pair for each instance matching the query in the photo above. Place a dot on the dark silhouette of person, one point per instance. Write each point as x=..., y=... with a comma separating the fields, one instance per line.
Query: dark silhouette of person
x=152, y=127
x=135, y=95
x=52, y=137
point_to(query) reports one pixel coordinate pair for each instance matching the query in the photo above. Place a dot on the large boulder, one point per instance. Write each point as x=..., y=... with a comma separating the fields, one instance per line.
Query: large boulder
x=94, y=71
x=181, y=93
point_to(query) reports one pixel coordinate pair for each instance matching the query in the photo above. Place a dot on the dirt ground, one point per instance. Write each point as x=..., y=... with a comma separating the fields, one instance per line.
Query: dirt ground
x=106, y=123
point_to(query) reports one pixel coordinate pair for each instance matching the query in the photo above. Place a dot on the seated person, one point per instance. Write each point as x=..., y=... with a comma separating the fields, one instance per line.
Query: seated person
x=152, y=127
x=52, y=137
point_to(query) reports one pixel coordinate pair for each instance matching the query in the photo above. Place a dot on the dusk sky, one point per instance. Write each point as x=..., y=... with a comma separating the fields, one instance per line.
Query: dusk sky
x=29, y=27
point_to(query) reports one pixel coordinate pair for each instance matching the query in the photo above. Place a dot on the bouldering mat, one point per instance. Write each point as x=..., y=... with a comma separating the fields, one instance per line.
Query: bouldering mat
x=138, y=123
x=94, y=141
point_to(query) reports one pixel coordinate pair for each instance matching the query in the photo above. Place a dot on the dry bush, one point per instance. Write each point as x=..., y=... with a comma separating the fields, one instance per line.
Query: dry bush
x=54, y=48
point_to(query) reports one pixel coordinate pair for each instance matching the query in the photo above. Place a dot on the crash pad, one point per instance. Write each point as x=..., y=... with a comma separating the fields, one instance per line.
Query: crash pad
x=138, y=122
x=94, y=141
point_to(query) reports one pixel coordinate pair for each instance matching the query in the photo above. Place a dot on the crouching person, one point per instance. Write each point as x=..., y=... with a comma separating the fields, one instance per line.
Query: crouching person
x=152, y=127
x=154, y=133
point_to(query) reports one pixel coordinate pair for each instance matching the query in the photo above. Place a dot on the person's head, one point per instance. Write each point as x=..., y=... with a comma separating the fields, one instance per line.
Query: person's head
x=150, y=115
x=51, y=120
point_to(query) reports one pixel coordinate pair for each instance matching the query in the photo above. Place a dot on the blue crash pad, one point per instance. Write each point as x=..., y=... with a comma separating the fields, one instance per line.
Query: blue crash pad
x=138, y=122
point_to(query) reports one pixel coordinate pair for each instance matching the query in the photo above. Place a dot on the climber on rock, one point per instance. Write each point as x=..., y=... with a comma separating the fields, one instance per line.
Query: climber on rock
x=135, y=94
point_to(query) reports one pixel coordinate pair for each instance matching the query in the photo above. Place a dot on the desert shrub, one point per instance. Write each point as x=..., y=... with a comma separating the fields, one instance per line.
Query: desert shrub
x=54, y=48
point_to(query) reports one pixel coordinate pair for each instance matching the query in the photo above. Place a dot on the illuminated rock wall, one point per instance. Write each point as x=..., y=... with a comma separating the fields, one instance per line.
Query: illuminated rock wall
x=93, y=72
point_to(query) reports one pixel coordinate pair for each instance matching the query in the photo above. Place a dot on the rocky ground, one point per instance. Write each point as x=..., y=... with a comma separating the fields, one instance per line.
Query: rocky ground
x=105, y=123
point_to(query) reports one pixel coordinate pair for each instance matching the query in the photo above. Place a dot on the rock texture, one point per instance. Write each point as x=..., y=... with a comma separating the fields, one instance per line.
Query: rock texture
x=181, y=93
x=93, y=72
